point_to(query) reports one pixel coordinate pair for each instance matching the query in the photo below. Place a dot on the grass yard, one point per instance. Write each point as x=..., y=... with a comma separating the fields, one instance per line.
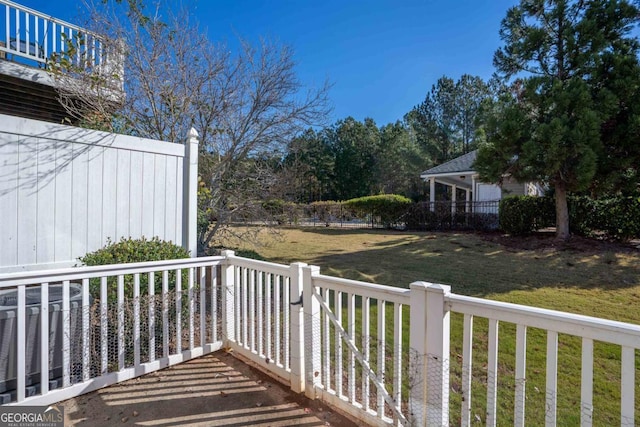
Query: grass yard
x=591, y=278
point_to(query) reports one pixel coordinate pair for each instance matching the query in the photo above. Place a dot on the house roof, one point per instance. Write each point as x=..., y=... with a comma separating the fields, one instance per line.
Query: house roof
x=463, y=163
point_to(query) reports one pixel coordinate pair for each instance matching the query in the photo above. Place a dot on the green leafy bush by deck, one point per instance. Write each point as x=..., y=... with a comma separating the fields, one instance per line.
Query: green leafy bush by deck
x=134, y=250
x=390, y=208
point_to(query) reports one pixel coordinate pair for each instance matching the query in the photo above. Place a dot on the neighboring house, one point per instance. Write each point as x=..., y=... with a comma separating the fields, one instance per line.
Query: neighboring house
x=28, y=41
x=460, y=175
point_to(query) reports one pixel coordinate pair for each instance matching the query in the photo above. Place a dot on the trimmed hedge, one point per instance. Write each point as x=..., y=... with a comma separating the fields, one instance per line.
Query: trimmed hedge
x=326, y=211
x=520, y=215
x=390, y=208
x=281, y=211
x=423, y=216
x=616, y=217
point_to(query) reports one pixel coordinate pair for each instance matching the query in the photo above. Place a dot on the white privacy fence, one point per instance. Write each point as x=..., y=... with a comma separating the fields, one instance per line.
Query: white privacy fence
x=64, y=191
x=385, y=355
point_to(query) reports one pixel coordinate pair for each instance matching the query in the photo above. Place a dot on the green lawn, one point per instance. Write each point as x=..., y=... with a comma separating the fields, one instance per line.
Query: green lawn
x=603, y=284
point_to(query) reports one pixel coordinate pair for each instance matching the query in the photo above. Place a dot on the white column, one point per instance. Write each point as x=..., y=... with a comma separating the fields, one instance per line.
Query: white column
x=432, y=193
x=454, y=191
x=473, y=188
x=190, y=194
x=467, y=199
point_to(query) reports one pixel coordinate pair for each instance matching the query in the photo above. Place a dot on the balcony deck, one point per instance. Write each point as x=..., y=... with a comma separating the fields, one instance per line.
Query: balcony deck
x=217, y=389
x=30, y=43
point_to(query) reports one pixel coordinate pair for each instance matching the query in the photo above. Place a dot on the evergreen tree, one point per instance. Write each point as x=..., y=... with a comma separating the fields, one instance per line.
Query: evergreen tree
x=574, y=64
x=445, y=122
x=354, y=145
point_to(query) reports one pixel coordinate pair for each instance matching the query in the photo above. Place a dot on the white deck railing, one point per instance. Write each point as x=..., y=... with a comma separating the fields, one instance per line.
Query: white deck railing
x=626, y=337
x=33, y=38
x=381, y=353
x=104, y=324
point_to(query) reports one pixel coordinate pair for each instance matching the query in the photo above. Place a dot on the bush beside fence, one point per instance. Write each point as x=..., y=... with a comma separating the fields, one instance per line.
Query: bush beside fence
x=386, y=212
x=616, y=218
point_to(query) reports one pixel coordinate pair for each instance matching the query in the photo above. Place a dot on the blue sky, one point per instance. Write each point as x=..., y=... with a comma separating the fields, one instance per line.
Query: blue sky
x=381, y=56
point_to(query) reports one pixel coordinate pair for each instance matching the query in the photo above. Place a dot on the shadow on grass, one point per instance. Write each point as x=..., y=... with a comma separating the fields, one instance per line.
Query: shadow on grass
x=476, y=266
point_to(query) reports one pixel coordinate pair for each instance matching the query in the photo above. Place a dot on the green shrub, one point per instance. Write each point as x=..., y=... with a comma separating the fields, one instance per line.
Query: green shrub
x=326, y=211
x=614, y=217
x=390, y=208
x=134, y=250
x=281, y=211
x=244, y=253
x=520, y=215
x=619, y=218
x=584, y=215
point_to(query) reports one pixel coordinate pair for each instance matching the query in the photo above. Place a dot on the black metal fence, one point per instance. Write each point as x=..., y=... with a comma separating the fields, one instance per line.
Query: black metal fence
x=475, y=216
x=421, y=216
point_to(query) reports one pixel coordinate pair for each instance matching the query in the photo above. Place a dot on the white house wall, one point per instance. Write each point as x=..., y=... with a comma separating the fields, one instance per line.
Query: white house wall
x=64, y=191
x=488, y=192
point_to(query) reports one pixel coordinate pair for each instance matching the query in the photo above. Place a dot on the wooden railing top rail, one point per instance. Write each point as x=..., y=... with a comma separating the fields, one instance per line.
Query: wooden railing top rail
x=381, y=292
x=79, y=273
x=620, y=333
x=267, y=267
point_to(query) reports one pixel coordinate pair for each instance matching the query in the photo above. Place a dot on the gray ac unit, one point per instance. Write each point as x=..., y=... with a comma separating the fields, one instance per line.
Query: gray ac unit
x=8, y=332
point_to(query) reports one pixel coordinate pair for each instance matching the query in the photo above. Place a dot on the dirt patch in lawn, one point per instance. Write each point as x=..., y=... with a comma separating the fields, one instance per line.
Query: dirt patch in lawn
x=545, y=240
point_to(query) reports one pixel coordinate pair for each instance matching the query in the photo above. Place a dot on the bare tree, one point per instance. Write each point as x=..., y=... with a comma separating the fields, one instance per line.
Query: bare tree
x=243, y=104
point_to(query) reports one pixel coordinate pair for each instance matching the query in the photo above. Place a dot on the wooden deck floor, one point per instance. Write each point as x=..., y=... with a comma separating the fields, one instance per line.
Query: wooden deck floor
x=214, y=390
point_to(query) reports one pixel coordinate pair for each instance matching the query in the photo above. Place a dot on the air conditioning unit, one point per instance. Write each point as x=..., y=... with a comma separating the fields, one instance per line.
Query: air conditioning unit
x=8, y=332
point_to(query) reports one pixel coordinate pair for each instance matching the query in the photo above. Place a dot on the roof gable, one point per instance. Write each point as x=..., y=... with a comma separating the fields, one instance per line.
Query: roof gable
x=463, y=163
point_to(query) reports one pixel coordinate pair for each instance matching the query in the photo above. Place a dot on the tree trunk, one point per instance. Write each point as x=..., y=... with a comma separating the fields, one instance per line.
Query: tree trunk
x=562, y=213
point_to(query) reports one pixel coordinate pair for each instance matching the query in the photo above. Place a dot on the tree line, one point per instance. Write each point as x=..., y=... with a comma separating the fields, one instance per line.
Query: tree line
x=354, y=158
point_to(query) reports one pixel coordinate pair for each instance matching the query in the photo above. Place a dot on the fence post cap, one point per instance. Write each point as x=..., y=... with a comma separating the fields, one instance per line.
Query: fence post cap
x=227, y=253
x=193, y=134
x=431, y=287
x=314, y=269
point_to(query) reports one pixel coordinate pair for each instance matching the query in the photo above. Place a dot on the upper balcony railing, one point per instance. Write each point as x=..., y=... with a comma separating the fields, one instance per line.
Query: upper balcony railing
x=32, y=38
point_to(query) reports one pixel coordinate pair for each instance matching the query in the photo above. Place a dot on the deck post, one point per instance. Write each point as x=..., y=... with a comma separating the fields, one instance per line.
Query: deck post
x=228, y=299
x=312, y=332
x=190, y=194
x=297, y=328
x=429, y=354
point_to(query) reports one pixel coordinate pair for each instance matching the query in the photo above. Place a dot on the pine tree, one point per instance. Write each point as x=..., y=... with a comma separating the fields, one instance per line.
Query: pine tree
x=552, y=126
